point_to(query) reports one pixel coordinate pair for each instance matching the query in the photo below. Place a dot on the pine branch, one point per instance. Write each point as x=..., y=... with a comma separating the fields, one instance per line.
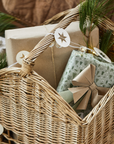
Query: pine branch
x=6, y=23
x=106, y=41
x=10, y=22
x=3, y=61
x=92, y=13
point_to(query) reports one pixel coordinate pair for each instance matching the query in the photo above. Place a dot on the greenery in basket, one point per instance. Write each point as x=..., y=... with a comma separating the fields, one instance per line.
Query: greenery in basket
x=93, y=13
x=106, y=41
x=3, y=61
x=6, y=22
x=9, y=22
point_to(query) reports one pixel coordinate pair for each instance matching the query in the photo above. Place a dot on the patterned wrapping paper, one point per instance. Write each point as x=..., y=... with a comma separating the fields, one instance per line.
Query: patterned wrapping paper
x=104, y=74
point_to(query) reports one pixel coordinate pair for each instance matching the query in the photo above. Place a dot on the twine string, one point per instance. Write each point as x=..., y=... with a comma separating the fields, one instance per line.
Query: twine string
x=13, y=64
x=53, y=62
x=53, y=59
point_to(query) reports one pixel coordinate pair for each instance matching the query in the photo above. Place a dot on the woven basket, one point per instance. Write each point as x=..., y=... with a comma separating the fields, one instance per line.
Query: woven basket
x=32, y=112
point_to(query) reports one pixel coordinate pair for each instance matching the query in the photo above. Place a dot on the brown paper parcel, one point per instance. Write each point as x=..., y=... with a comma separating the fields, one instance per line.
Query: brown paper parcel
x=85, y=81
x=51, y=63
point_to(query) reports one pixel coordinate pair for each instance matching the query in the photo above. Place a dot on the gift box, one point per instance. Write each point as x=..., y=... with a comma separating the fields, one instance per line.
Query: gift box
x=85, y=94
x=78, y=61
x=68, y=97
x=51, y=63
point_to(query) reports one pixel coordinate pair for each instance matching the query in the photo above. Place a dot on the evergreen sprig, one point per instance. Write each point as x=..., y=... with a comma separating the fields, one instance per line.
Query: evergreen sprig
x=106, y=41
x=6, y=22
x=3, y=61
x=10, y=22
x=91, y=13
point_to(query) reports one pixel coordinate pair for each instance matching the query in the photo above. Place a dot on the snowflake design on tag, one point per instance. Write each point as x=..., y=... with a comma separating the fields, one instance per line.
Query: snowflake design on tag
x=62, y=38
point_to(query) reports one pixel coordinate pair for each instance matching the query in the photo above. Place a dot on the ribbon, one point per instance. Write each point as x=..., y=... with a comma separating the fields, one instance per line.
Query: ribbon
x=86, y=86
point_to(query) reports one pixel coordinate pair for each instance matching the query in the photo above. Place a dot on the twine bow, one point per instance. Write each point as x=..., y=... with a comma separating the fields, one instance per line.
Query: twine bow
x=85, y=81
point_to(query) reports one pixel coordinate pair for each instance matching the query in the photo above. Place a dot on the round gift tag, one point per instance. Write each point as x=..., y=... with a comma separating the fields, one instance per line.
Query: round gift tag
x=1, y=129
x=102, y=55
x=20, y=56
x=62, y=37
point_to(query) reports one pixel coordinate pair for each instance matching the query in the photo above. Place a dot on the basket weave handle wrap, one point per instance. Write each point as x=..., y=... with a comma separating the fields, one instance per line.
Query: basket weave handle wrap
x=28, y=63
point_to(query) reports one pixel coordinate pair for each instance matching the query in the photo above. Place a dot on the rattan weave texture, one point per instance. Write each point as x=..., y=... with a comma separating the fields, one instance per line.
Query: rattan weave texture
x=32, y=112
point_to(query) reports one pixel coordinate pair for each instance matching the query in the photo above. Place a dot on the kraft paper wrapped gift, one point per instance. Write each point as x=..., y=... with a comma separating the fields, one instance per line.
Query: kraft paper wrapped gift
x=85, y=94
x=68, y=97
x=52, y=62
x=78, y=61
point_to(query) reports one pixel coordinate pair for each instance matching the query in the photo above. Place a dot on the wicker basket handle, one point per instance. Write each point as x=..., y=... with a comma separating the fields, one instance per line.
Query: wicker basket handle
x=28, y=62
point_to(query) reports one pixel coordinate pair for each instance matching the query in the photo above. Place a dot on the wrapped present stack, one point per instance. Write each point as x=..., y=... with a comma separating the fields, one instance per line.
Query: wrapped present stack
x=51, y=65
x=78, y=61
x=52, y=62
x=60, y=66
x=92, y=73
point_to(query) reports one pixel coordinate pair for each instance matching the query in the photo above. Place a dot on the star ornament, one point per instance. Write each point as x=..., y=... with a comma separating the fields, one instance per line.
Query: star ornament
x=62, y=38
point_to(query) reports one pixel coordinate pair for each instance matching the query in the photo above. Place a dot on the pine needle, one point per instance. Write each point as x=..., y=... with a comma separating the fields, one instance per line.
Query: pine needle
x=93, y=13
x=6, y=23
x=3, y=61
x=106, y=41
